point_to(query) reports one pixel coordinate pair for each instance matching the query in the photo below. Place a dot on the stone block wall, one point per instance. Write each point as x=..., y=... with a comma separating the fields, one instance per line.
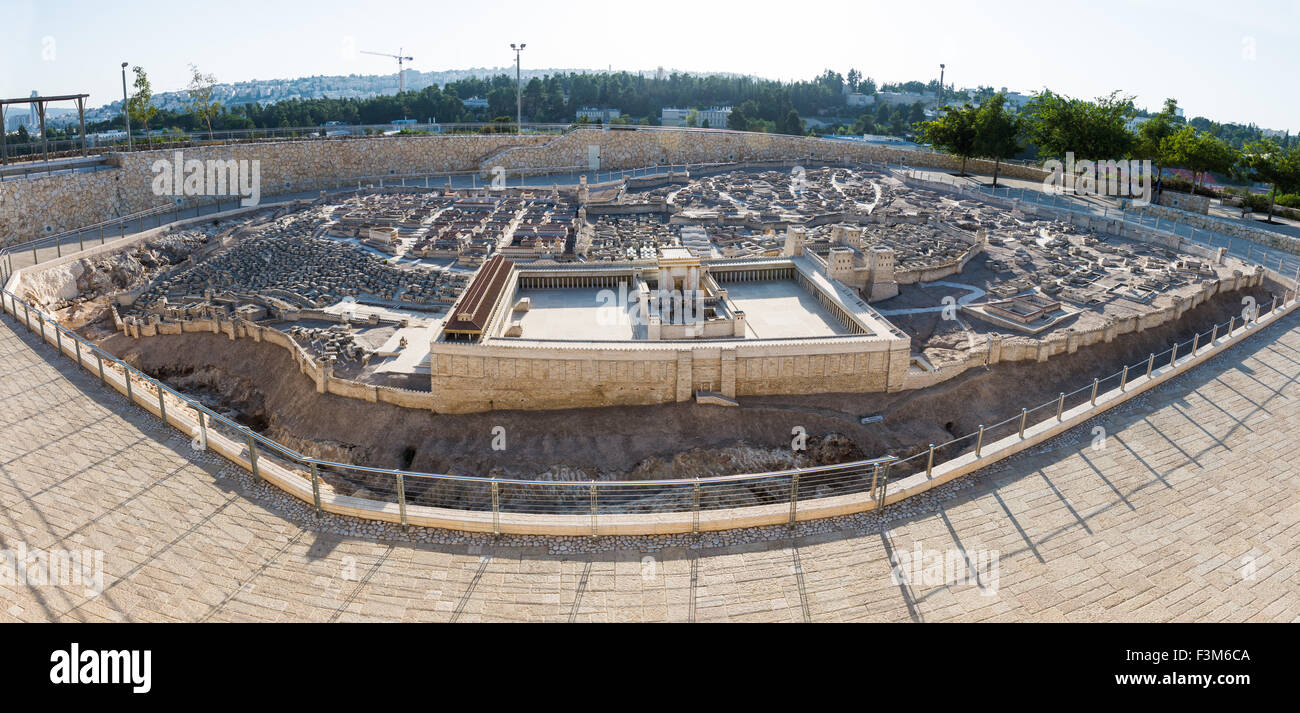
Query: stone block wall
x=71, y=200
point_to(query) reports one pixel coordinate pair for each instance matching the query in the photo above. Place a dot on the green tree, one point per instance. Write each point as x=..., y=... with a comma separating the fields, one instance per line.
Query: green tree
x=201, y=103
x=737, y=120
x=997, y=132
x=1095, y=130
x=1152, y=133
x=692, y=118
x=954, y=132
x=140, y=104
x=1199, y=152
x=1267, y=162
x=791, y=123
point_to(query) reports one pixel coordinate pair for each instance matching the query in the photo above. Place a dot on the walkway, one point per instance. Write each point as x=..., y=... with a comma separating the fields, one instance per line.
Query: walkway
x=1190, y=511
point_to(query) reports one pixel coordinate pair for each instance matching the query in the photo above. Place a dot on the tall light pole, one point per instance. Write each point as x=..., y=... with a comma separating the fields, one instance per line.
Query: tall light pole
x=126, y=113
x=519, y=89
x=941, y=85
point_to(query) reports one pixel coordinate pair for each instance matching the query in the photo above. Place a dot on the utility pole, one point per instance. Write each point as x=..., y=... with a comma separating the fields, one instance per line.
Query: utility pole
x=126, y=113
x=519, y=89
x=941, y=68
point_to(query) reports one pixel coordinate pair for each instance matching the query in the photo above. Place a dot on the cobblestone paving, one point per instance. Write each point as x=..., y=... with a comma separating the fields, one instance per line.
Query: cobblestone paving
x=1190, y=511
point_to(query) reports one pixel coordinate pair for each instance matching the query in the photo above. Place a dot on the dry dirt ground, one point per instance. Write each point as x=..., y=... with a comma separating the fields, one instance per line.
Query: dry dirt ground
x=260, y=383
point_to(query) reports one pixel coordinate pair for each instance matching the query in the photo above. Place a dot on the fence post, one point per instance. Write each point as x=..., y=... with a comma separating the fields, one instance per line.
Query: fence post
x=496, y=500
x=794, y=495
x=1093, y=400
x=203, y=429
x=929, y=463
x=1214, y=337
x=99, y=360
x=1151, y=362
x=315, y=486
x=1232, y=322
x=979, y=441
x=1123, y=380
x=1024, y=414
x=252, y=455
x=401, y=499
x=1196, y=343
x=695, y=507
x=162, y=403
x=27, y=315
x=1173, y=356
x=76, y=345
x=1060, y=406
x=130, y=399
x=594, y=531
x=884, y=487
x=58, y=339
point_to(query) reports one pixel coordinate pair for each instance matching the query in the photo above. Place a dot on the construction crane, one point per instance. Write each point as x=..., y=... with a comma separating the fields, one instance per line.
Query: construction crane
x=401, y=84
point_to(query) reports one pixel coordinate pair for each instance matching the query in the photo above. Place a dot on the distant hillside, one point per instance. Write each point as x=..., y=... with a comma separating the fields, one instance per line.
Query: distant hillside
x=353, y=86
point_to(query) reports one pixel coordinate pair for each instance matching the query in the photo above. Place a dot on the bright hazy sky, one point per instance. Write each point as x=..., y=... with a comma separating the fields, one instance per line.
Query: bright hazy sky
x=1233, y=61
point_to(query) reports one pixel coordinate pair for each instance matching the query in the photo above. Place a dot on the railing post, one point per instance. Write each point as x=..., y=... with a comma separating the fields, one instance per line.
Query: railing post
x=1232, y=322
x=401, y=499
x=695, y=507
x=1093, y=400
x=58, y=339
x=883, y=489
x=252, y=455
x=1123, y=380
x=99, y=361
x=130, y=398
x=979, y=441
x=27, y=315
x=315, y=486
x=594, y=531
x=76, y=346
x=1151, y=363
x=1196, y=343
x=1024, y=415
x=162, y=404
x=1173, y=356
x=496, y=501
x=794, y=495
x=203, y=429
x=929, y=463
x=1060, y=406
x=1214, y=337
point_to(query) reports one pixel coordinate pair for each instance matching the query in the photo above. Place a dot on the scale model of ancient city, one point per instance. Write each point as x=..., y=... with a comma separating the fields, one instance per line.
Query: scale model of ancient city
x=741, y=306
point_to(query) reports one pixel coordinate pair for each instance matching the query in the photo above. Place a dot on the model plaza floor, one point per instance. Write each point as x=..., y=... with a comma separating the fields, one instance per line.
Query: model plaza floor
x=775, y=309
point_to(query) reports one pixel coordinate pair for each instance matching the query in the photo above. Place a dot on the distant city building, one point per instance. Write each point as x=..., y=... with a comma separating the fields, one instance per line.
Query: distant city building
x=858, y=99
x=716, y=116
x=899, y=98
x=594, y=114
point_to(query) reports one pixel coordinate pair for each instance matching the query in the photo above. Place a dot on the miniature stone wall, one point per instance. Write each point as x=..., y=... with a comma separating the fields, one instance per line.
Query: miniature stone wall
x=535, y=375
x=70, y=200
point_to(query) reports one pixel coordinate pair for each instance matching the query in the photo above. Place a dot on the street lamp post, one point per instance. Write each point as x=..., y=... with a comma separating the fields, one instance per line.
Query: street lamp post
x=126, y=114
x=941, y=68
x=519, y=89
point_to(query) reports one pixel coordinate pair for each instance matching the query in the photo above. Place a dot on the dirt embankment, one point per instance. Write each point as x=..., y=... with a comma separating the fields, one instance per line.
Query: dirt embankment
x=259, y=383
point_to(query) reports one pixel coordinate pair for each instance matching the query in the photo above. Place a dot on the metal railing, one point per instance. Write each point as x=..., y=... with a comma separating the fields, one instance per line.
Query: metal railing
x=387, y=488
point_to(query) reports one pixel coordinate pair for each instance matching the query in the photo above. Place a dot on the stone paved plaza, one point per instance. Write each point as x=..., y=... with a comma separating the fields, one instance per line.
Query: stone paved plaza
x=1191, y=512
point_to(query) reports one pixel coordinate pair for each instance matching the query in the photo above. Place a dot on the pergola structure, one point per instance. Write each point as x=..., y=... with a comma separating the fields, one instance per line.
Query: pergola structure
x=39, y=103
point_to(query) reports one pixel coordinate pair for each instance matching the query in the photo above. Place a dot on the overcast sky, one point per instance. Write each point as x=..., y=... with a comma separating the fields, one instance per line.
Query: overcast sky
x=1233, y=61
